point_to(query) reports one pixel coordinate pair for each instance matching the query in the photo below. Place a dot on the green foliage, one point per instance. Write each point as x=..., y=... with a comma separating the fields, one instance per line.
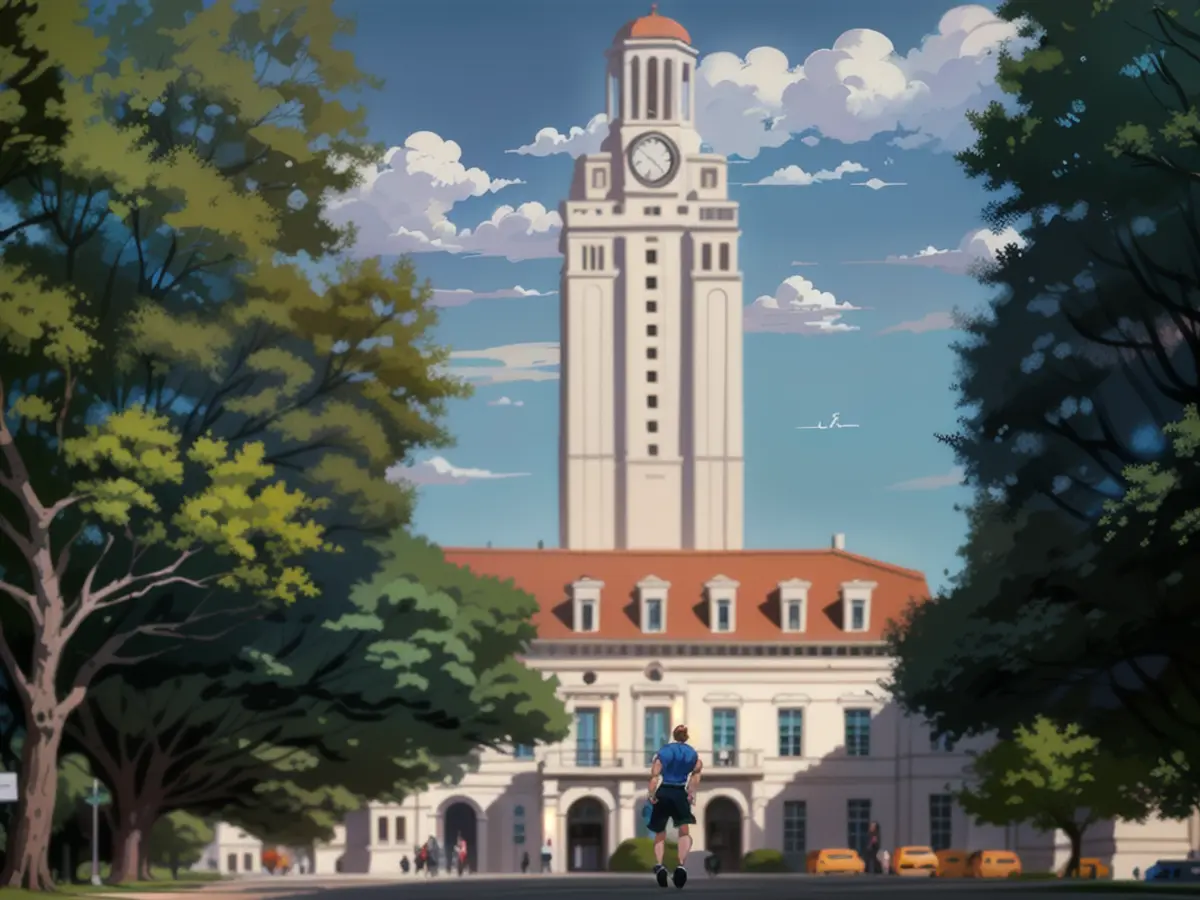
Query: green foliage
x=178, y=839
x=764, y=861
x=637, y=855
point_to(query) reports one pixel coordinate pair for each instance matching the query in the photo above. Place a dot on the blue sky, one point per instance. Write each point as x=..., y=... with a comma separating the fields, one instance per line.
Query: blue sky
x=489, y=75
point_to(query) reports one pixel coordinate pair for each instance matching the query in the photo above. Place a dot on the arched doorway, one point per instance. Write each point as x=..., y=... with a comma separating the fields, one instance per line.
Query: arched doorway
x=460, y=821
x=585, y=836
x=723, y=832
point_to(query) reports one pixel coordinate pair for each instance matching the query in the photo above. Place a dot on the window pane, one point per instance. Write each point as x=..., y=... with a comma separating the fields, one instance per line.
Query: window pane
x=588, y=617
x=858, y=732
x=795, y=828
x=941, y=816
x=587, y=737
x=722, y=615
x=791, y=732
x=657, y=727
x=793, y=616
x=725, y=736
x=858, y=615
x=654, y=615
x=858, y=822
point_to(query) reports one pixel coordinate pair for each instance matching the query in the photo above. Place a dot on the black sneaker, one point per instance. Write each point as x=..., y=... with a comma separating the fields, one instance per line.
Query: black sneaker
x=660, y=872
x=680, y=877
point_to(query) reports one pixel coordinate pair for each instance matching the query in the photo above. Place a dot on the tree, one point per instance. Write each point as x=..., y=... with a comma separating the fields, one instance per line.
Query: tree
x=1055, y=778
x=1068, y=385
x=178, y=839
x=162, y=358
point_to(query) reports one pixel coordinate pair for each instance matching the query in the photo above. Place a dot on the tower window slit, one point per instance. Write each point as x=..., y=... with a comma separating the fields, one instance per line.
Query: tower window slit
x=724, y=257
x=668, y=82
x=685, y=95
x=635, y=86
x=583, y=257
x=600, y=255
x=652, y=88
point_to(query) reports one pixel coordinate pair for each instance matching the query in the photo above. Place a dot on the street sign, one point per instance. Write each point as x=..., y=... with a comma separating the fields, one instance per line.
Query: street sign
x=8, y=787
x=99, y=798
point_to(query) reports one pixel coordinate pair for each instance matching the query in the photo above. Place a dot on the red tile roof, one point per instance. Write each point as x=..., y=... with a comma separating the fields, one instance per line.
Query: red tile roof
x=548, y=575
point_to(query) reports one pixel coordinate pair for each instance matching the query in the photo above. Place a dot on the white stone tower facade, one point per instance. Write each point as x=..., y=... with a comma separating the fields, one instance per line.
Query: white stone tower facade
x=651, y=433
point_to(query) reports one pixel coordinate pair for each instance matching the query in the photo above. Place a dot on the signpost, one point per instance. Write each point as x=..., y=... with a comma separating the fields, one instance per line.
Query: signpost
x=95, y=800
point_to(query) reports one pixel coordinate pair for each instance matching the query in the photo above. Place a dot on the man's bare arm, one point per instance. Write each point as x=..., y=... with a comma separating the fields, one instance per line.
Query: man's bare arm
x=655, y=773
x=694, y=778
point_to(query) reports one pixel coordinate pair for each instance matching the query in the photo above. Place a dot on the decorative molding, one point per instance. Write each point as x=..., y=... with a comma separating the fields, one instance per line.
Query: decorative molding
x=794, y=584
x=653, y=583
x=590, y=690
x=862, y=700
x=858, y=585
x=791, y=699
x=651, y=689
x=650, y=648
x=722, y=583
x=735, y=699
x=587, y=584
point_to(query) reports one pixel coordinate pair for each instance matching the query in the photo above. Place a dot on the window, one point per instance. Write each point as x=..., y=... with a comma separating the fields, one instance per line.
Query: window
x=635, y=87
x=656, y=725
x=941, y=826
x=653, y=210
x=651, y=256
x=654, y=617
x=651, y=306
x=858, y=824
x=598, y=179
x=523, y=751
x=651, y=330
x=381, y=829
x=685, y=96
x=651, y=353
x=401, y=830
x=708, y=178
x=652, y=450
x=652, y=426
x=858, y=615
x=682, y=210
x=652, y=88
x=587, y=616
x=651, y=283
x=652, y=376
x=795, y=827
x=723, y=615
x=518, y=824
x=587, y=737
x=858, y=732
x=600, y=254
x=723, y=257
x=793, y=600
x=706, y=257
x=652, y=401
x=791, y=732
x=231, y=862
x=247, y=862
x=668, y=94
x=725, y=738
x=795, y=613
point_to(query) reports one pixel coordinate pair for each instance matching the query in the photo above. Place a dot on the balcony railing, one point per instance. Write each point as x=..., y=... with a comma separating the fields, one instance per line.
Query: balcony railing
x=590, y=756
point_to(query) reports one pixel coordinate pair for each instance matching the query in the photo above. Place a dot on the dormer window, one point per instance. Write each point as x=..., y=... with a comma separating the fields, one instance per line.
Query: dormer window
x=652, y=595
x=585, y=602
x=793, y=605
x=856, y=605
x=722, y=604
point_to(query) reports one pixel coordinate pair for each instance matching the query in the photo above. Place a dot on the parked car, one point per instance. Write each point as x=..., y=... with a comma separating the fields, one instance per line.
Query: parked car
x=1091, y=867
x=920, y=862
x=1174, y=870
x=837, y=861
x=993, y=864
x=952, y=863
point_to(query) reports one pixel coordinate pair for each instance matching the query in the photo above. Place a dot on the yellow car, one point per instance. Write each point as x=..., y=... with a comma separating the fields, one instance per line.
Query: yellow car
x=835, y=862
x=1092, y=867
x=920, y=862
x=994, y=864
x=952, y=864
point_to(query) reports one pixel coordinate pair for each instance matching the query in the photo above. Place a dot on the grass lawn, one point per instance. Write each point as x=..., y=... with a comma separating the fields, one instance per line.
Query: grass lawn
x=162, y=883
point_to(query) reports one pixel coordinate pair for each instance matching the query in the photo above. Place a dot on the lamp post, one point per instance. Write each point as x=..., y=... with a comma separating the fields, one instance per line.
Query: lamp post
x=95, y=800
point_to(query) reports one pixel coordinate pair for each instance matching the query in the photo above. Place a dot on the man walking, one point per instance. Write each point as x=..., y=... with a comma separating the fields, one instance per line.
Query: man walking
x=674, y=777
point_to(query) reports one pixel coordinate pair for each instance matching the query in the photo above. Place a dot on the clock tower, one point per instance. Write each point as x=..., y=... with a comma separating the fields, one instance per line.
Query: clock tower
x=650, y=447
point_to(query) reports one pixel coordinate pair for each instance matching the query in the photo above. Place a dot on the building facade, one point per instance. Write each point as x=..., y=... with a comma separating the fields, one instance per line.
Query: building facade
x=652, y=614
x=232, y=851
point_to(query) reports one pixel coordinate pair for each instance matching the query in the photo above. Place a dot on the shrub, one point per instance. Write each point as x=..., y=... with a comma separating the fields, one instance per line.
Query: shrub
x=764, y=861
x=637, y=855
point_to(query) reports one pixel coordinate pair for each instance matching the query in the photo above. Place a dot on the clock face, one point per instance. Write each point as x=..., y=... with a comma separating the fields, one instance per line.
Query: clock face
x=653, y=159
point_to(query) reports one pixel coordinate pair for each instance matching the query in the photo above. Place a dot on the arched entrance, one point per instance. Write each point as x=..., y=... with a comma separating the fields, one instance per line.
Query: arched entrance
x=460, y=821
x=585, y=836
x=723, y=832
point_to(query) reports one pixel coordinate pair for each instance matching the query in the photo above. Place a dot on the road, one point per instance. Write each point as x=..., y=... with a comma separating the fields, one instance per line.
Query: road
x=603, y=887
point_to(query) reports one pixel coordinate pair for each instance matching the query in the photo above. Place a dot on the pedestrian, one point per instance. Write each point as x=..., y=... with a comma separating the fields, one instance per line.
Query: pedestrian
x=674, y=778
x=1137, y=874
x=435, y=854
x=460, y=852
x=885, y=861
x=404, y=864
x=547, y=855
x=873, y=846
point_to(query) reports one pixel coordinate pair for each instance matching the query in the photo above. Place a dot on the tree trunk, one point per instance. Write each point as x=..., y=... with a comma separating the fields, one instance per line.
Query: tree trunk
x=1075, y=835
x=27, y=863
x=144, y=872
x=133, y=828
x=174, y=865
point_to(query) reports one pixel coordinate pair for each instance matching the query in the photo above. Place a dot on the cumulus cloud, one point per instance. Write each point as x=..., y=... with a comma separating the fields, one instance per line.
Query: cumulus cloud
x=859, y=88
x=877, y=184
x=537, y=361
x=953, y=478
x=934, y=321
x=403, y=206
x=506, y=401
x=810, y=140
x=795, y=176
x=978, y=248
x=439, y=470
x=800, y=262
x=798, y=307
x=463, y=296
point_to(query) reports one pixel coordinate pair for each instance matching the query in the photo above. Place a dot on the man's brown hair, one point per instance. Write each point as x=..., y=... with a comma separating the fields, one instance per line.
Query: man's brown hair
x=680, y=733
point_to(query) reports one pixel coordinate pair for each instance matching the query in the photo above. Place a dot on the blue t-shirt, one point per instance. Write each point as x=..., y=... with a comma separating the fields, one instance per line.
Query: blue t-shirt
x=678, y=760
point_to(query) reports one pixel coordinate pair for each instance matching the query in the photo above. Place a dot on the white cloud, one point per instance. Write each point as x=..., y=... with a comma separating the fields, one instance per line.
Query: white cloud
x=953, y=478
x=934, y=321
x=404, y=205
x=510, y=362
x=506, y=401
x=810, y=140
x=978, y=248
x=859, y=88
x=800, y=262
x=877, y=184
x=798, y=307
x=463, y=296
x=440, y=470
x=796, y=177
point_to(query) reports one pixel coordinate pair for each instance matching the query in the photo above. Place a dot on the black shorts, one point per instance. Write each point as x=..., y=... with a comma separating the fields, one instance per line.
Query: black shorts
x=671, y=803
